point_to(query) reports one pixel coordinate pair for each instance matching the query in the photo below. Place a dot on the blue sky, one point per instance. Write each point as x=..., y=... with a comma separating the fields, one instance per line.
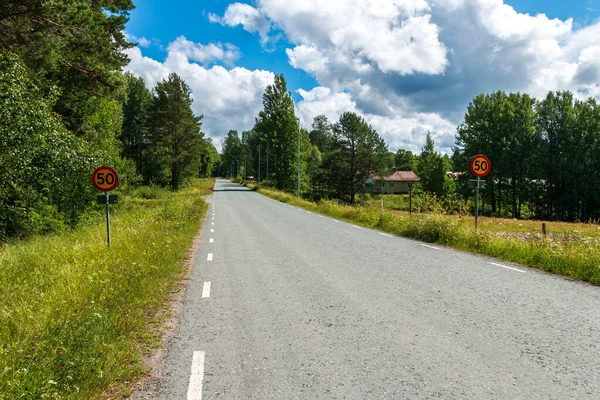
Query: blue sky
x=409, y=69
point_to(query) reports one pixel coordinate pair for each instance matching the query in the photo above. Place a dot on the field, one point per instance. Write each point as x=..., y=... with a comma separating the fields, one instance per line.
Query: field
x=77, y=317
x=571, y=250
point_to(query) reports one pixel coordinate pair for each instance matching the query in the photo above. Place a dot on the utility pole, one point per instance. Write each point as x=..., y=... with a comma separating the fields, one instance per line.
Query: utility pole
x=298, y=121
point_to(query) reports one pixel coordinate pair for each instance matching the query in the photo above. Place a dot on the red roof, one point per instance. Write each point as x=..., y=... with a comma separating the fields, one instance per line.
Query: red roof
x=400, y=176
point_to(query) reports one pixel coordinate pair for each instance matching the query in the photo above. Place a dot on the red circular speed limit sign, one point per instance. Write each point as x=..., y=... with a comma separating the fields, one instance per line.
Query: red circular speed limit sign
x=480, y=165
x=105, y=179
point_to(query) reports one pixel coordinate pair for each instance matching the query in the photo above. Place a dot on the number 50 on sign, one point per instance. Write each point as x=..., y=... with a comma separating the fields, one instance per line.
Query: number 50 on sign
x=105, y=179
x=480, y=165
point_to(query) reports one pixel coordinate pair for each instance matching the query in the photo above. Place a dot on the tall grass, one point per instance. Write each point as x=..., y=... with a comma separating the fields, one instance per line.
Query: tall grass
x=570, y=255
x=75, y=316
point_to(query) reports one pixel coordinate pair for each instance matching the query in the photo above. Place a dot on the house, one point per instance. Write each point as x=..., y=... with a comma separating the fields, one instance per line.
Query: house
x=396, y=183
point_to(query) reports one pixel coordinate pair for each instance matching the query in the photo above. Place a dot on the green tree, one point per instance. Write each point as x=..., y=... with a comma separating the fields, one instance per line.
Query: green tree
x=357, y=153
x=209, y=159
x=321, y=135
x=405, y=160
x=44, y=179
x=175, y=133
x=232, y=152
x=74, y=45
x=134, y=133
x=432, y=169
x=278, y=130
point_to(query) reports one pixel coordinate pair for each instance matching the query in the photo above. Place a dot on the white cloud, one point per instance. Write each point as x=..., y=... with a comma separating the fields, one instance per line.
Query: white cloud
x=405, y=130
x=141, y=41
x=228, y=98
x=407, y=66
x=307, y=58
x=412, y=66
x=249, y=17
x=205, y=54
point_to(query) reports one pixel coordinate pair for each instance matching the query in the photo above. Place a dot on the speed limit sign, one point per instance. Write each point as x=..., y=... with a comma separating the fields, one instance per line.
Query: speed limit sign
x=480, y=165
x=105, y=179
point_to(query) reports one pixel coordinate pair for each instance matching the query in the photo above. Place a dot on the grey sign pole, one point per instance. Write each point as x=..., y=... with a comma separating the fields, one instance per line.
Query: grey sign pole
x=477, y=201
x=410, y=185
x=107, y=220
x=298, y=157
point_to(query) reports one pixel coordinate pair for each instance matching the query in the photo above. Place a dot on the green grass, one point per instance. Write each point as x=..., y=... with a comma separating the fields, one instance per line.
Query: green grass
x=76, y=317
x=567, y=252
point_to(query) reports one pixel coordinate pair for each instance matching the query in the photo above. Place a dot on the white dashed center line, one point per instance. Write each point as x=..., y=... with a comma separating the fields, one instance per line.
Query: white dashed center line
x=507, y=267
x=206, y=290
x=211, y=240
x=209, y=257
x=431, y=247
x=212, y=231
x=197, y=376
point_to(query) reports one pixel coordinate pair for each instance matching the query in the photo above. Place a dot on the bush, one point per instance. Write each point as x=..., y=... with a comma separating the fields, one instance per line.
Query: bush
x=45, y=175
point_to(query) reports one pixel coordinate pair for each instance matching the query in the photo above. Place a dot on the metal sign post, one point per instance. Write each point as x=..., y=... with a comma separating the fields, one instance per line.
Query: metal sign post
x=107, y=220
x=477, y=201
x=106, y=179
x=480, y=166
x=410, y=185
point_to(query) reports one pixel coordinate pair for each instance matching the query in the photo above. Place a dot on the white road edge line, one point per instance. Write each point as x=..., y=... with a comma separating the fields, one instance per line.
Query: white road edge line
x=212, y=223
x=385, y=234
x=357, y=227
x=209, y=257
x=507, y=267
x=431, y=247
x=321, y=216
x=206, y=290
x=211, y=240
x=196, y=377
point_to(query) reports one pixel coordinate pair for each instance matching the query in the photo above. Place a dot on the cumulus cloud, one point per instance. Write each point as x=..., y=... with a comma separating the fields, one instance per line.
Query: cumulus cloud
x=228, y=98
x=413, y=66
x=251, y=19
x=205, y=54
x=141, y=41
x=408, y=66
x=406, y=130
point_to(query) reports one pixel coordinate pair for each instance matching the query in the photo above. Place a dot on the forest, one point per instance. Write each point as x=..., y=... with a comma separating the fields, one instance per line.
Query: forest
x=67, y=107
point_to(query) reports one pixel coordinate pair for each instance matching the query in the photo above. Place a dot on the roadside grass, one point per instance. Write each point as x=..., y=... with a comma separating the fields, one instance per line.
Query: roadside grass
x=399, y=205
x=567, y=253
x=77, y=317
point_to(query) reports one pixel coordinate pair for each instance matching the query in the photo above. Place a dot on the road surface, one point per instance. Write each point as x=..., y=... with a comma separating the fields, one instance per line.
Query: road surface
x=287, y=304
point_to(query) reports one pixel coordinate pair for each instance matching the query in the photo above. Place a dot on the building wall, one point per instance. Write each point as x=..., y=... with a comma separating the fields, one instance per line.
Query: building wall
x=392, y=187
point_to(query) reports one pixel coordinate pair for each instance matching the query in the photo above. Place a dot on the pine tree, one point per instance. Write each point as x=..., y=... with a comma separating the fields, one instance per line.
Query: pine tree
x=175, y=135
x=278, y=130
x=357, y=153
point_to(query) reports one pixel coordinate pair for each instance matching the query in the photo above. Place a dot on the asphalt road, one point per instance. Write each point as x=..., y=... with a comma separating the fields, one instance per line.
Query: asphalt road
x=302, y=306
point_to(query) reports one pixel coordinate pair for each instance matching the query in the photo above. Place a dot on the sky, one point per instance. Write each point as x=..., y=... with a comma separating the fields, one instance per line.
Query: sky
x=407, y=66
